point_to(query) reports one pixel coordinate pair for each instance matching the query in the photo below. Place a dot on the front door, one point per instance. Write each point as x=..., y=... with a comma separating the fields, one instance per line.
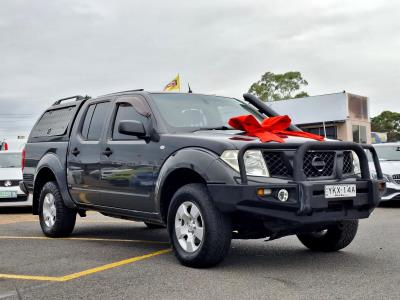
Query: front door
x=83, y=167
x=129, y=163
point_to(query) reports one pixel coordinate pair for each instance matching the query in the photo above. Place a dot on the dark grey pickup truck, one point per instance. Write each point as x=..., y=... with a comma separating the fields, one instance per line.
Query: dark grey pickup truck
x=171, y=160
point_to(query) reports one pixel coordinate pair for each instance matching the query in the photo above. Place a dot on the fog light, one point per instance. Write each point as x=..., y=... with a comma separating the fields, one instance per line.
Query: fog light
x=262, y=192
x=283, y=195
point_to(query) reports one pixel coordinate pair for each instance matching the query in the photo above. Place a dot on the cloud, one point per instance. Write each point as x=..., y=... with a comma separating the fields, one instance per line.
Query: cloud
x=52, y=49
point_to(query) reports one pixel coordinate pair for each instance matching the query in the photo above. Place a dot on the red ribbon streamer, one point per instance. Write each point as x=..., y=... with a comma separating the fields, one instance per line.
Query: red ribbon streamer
x=271, y=129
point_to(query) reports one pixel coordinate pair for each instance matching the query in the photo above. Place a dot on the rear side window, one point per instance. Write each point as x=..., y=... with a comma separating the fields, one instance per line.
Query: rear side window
x=88, y=119
x=54, y=122
x=126, y=112
x=95, y=120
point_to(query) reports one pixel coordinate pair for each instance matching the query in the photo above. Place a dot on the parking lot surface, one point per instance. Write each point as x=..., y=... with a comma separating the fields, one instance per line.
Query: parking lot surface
x=108, y=258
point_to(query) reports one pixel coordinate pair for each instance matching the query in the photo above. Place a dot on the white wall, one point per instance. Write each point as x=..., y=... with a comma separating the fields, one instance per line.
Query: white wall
x=314, y=109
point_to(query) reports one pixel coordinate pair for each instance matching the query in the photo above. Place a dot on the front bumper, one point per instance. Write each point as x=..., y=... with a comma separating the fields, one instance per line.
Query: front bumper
x=392, y=192
x=306, y=204
x=22, y=199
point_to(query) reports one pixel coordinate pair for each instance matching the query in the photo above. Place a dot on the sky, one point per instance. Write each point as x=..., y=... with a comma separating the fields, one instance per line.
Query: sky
x=50, y=49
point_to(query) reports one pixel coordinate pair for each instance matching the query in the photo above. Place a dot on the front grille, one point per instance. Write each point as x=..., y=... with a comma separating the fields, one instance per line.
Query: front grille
x=396, y=178
x=276, y=165
x=13, y=183
x=347, y=162
x=317, y=164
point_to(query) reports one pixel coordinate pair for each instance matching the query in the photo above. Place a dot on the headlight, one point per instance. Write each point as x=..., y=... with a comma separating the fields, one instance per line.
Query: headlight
x=253, y=161
x=356, y=163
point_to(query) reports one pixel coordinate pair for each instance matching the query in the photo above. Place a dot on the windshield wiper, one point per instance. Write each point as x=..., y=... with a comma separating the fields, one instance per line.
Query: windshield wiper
x=215, y=128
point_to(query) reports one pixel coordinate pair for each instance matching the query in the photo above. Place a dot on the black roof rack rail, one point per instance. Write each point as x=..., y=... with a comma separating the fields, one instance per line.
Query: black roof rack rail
x=77, y=97
x=137, y=90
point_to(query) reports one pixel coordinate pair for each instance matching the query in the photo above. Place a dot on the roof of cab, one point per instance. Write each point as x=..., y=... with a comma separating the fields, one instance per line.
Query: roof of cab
x=142, y=91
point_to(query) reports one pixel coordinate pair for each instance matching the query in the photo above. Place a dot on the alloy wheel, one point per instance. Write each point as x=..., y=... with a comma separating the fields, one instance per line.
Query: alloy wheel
x=49, y=210
x=189, y=226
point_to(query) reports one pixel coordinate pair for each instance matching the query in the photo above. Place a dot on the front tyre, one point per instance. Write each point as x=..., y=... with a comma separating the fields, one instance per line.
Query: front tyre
x=333, y=238
x=56, y=220
x=200, y=234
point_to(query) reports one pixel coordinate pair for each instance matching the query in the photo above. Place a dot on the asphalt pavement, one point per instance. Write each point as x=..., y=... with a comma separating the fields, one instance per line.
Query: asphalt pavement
x=108, y=258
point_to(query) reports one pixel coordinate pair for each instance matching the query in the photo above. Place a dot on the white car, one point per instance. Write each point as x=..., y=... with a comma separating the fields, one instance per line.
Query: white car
x=389, y=158
x=13, y=144
x=10, y=176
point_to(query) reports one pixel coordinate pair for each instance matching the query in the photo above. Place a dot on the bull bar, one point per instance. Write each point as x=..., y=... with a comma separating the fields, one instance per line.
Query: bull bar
x=298, y=171
x=305, y=186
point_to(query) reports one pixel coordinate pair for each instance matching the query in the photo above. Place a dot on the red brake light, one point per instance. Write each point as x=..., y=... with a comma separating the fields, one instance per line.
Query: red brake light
x=5, y=146
x=23, y=159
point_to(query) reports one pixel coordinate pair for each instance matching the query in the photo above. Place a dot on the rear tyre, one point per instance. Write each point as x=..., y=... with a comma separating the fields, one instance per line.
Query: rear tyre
x=333, y=238
x=56, y=219
x=200, y=234
x=154, y=226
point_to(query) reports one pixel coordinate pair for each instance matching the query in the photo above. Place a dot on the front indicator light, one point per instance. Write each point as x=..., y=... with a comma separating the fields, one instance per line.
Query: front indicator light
x=263, y=192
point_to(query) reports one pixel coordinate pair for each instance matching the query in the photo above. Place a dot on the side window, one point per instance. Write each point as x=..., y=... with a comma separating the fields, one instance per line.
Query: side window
x=54, y=122
x=125, y=111
x=359, y=134
x=97, y=120
x=86, y=122
x=363, y=134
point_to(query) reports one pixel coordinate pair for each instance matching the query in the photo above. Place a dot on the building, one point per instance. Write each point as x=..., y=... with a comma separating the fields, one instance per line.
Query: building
x=342, y=116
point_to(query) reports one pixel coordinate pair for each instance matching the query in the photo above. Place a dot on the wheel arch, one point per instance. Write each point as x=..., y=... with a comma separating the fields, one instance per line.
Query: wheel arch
x=44, y=175
x=175, y=180
x=50, y=169
x=188, y=165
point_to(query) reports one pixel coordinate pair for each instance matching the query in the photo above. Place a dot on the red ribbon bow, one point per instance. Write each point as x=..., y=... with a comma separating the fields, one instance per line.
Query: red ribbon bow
x=271, y=129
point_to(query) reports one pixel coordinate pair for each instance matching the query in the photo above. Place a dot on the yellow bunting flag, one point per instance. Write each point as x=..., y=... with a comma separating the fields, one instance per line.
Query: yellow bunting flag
x=174, y=85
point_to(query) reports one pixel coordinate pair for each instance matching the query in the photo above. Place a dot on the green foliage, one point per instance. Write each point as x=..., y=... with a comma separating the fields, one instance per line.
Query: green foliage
x=387, y=121
x=274, y=87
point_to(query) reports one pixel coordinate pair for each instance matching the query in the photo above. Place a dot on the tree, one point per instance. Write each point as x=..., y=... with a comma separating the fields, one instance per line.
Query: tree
x=274, y=87
x=387, y=121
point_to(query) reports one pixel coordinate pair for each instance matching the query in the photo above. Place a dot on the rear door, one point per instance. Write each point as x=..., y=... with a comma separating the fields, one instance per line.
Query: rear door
x=129, y=164
x=83, y=170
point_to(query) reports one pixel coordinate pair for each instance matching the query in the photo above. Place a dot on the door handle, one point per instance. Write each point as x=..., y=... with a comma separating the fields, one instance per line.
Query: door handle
x=107, y=152
x=75, y=152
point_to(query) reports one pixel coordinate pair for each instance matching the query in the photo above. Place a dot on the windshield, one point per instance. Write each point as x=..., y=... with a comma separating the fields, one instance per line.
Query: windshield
x=192, y=112
x=10, y=160
x=388, y=152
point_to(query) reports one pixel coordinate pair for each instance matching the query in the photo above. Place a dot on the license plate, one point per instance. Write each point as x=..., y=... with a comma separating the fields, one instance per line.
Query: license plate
x=340, y=191
x=8, y=194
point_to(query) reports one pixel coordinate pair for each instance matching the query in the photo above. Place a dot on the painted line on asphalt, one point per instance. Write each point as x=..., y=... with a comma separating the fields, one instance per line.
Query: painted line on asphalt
x=85, y=272
x=29, y=277
x=6, y=237
x=7, y=222
x=114, y=265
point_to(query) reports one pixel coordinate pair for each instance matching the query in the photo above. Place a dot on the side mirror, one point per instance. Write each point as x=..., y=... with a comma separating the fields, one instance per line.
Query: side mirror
x=134, y=128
